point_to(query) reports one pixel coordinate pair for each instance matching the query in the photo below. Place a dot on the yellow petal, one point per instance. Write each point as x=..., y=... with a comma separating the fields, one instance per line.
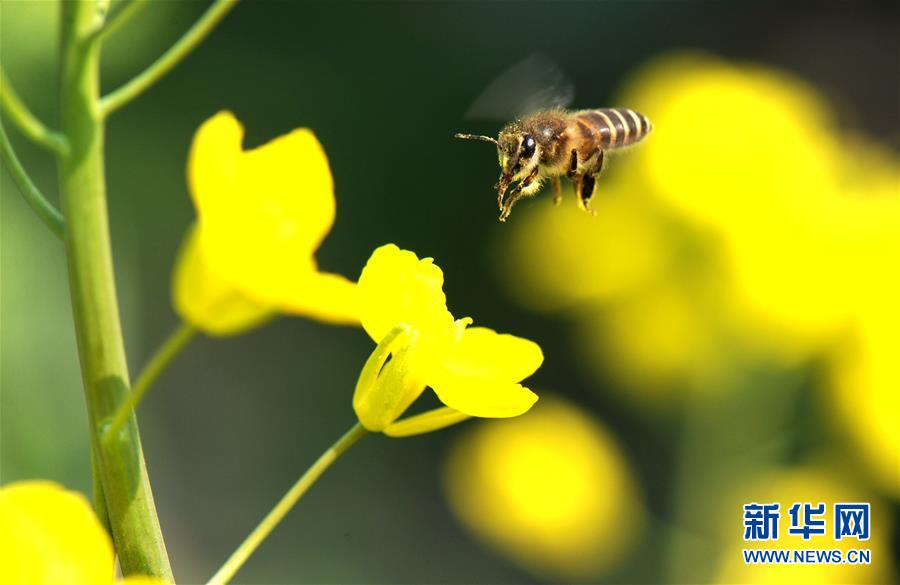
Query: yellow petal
x=484, y=353
x=326, y=297
x=385, y=389
x=263, y=212
x=49, y=535
x=396, y=287
x=213, y=162
x=205, y=300
x=483, y=397
x=477, y=374
x=426, y=422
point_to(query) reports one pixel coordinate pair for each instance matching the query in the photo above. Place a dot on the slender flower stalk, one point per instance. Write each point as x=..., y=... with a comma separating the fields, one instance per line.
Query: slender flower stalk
x=126, y=10
x=285, y=505
x=33, y=196
x=158, y=364
x=27, y=122
x=187, y=43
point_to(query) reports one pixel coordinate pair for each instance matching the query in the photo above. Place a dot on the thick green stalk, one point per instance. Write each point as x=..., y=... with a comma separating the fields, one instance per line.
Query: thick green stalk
x=129, y=501
x=98, y=499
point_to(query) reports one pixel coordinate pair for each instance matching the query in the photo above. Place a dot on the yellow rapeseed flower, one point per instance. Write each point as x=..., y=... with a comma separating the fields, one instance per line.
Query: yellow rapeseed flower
x=474, y=371
x=262, y=213
x=50, y=536
x=552, y=490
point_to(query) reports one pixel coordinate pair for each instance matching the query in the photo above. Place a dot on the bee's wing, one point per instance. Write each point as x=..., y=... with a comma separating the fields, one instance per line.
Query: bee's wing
x=535, y=83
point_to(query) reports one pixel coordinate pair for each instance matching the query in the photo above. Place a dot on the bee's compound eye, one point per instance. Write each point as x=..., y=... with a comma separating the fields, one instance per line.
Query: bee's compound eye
x=528, y=145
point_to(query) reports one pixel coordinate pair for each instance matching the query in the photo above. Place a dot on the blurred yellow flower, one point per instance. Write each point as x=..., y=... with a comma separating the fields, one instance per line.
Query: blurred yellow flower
x=551, y=490
x=642, y=293
x=50, y=536
x=813, y=484
x=474, y=371
x=865, y=380
x=577, y=258
x=802, y=209
x=806, y=281
x=732, y=142
x=262, y=214
x=662, y=337
x=206, y=301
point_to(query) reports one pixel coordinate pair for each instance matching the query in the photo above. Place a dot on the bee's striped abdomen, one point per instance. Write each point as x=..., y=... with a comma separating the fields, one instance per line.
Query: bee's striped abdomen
x=616, y=127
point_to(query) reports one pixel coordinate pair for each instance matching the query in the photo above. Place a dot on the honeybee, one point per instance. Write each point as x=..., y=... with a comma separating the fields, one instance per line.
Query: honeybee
x=550, y=143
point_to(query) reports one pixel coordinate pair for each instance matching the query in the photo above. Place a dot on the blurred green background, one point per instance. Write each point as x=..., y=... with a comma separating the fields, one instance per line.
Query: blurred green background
x=384, y=85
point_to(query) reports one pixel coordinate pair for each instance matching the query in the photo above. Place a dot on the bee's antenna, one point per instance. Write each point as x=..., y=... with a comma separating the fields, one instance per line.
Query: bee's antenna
x=477, y=137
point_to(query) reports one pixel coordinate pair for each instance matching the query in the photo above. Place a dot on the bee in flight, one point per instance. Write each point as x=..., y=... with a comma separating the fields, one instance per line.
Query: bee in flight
x=549, y=143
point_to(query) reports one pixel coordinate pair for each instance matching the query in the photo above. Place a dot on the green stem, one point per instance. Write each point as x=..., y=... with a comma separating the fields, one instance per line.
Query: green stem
x=33, y=196
x=169, y=59
x=126, y=487
x=121, y=15
x=28, y=122
x=290, y=499
x=98, y=499
x=158, y=364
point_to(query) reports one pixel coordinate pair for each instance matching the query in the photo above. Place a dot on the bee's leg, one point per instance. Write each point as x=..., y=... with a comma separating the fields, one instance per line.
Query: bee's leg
x=573, y=165
x=585, y=192
x=557, y=190
x=501, y=187
x=574, y=175
x=578, y=183
x=586, y=186
x=523, y=189
x=577, y=179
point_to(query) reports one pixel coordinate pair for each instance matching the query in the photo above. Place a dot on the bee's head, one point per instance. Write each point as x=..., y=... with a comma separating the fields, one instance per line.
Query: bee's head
x=518, y=153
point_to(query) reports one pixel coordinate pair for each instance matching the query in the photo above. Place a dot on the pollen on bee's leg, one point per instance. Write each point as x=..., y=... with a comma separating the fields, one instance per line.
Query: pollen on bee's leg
x=577, y=183
x=504, y=211
x=501, y=187
x=585, y=192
